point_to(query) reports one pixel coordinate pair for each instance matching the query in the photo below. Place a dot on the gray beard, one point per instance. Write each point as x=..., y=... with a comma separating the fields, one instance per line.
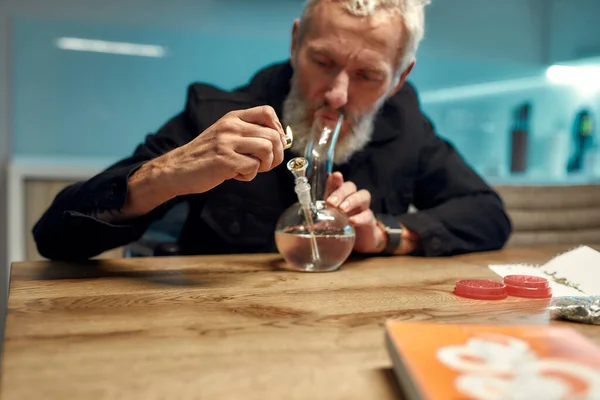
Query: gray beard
x=295, y=113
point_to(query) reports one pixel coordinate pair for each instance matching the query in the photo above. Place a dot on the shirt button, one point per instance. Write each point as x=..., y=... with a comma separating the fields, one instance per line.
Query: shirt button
x=234, y=228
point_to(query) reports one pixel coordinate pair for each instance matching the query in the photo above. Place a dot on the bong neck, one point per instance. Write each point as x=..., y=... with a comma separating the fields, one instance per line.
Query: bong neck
x=320, y=155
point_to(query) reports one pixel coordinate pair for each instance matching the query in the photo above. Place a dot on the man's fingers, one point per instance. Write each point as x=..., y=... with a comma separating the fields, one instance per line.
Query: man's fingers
x=244, y=178
x=261, y=149
x=365, y=218
x=249, y=129
x=340, y=194
x=356, y=202
x=263, y=115
x=246, y=166
x=254, y=131
x=334, y=182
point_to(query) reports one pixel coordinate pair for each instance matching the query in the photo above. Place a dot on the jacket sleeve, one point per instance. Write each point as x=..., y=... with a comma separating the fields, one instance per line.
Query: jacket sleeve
x=457, y=211
x=69, y=230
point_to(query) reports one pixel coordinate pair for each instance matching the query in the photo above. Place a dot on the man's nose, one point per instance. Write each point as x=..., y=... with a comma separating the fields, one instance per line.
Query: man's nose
x=337, y=95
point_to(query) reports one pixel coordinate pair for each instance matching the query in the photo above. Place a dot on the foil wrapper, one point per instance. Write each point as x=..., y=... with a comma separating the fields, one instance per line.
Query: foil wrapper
x=584, y=309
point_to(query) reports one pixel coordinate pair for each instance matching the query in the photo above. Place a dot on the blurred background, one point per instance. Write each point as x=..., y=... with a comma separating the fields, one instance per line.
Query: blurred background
x=513, y=84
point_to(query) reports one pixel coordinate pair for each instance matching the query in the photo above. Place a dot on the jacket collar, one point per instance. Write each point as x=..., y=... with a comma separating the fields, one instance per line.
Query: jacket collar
x=272, y=84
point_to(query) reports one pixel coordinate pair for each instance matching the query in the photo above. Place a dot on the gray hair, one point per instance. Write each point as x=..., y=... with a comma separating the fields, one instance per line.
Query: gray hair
x=412, y=13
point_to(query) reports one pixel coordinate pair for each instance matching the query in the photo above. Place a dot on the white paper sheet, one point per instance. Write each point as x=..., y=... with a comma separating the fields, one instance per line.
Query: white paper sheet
x=580, y=268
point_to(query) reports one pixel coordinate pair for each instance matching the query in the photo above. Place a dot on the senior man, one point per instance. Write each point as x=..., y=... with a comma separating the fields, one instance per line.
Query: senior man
x=223, y=154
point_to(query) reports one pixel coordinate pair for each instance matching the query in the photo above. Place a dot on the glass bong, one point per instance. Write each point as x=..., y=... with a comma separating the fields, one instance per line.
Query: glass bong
x=310, y=235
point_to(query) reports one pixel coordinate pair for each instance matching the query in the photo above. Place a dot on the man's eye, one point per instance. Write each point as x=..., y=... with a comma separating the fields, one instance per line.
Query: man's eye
x=321, y=63
x=366, y=77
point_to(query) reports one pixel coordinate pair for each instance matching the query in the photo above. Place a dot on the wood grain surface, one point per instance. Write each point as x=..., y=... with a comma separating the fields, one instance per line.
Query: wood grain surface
x=234, y=327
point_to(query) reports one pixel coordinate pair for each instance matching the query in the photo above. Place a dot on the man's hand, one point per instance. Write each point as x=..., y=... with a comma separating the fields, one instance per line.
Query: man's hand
x=370, y=236
x=238, y=146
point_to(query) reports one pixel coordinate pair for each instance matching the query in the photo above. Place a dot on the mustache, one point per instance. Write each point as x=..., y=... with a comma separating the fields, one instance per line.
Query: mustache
x=349, y=116
x=297, y=113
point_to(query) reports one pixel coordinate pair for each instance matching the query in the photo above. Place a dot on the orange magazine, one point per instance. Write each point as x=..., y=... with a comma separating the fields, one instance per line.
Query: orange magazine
x=451, y=361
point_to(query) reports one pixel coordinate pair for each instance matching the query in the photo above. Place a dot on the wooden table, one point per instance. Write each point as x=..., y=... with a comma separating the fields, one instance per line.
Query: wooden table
x=233, y=327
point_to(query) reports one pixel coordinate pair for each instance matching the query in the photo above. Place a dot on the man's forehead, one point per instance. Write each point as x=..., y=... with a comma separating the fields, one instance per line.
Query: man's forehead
x=381, y=31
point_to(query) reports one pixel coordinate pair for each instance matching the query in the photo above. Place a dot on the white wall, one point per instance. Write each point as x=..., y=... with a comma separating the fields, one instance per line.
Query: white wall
x=575, y=30
x=456, y=28
x=507, y=30
x=226, y=16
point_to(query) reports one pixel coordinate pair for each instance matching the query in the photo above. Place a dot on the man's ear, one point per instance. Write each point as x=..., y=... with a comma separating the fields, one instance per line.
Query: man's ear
x=402, y=79
x=294, y=44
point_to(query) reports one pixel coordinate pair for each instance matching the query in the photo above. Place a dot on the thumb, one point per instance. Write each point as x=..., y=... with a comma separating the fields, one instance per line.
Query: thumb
x=334, y=182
